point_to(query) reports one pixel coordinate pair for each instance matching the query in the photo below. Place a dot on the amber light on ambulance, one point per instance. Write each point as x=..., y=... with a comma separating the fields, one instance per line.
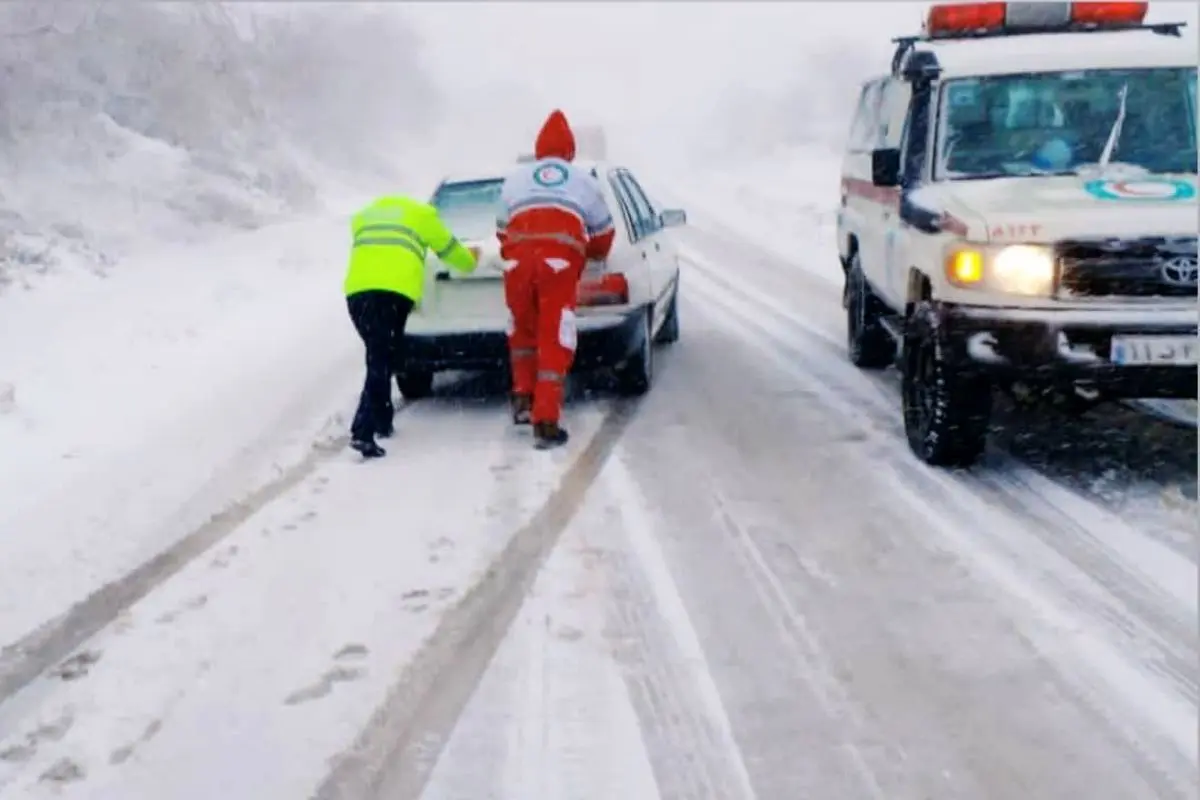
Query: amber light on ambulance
x=607, y=290
x=1020, y=269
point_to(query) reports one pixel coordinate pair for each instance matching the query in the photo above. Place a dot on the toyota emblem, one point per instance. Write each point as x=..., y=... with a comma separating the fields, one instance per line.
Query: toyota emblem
x=1180, y=271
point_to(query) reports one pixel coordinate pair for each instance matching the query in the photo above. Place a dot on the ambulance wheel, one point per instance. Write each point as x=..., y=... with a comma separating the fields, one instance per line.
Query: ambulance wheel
x=669, y=332
x=946, y=409
x=415, y=385
x=635, y=376
x=868, y=344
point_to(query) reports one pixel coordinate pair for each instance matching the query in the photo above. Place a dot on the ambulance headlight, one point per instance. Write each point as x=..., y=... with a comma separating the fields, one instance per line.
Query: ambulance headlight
x=1020, y=269
x=1024, y=269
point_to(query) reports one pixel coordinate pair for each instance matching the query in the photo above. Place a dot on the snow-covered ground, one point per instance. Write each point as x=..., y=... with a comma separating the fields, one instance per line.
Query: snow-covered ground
x=256, y=614
x=740, y=587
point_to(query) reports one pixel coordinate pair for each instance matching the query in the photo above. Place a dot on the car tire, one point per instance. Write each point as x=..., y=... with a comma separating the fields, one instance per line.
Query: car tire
x=636, y=375
x=415, y=385
x=669, y=332
x=868, y=343
x=946, y=408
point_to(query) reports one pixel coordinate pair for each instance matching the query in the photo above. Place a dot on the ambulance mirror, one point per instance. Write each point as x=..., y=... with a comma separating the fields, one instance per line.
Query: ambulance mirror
x=885, y=167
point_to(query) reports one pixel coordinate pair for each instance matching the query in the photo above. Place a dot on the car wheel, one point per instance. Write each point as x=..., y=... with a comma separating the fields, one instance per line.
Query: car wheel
x=868, y=344
x=946, y=409
x=669, y=332
x=635, y=376
x=415, y=385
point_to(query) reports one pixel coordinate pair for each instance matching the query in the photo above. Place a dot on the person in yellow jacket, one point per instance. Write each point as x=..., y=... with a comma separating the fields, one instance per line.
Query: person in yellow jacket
x=384, y=281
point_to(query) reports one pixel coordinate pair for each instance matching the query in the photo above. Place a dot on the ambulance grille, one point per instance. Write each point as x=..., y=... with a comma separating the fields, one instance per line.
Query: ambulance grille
x=1112, y=268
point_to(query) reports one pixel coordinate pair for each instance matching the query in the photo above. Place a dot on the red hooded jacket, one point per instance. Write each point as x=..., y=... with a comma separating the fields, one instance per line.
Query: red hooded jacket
x=569, y=210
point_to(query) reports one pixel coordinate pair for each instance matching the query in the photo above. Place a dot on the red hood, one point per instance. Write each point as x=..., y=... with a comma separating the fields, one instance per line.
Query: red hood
x=555, y=139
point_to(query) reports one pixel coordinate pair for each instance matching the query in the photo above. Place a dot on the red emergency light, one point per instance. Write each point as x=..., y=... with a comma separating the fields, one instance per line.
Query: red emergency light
x=966, y=19
x=1108, y=13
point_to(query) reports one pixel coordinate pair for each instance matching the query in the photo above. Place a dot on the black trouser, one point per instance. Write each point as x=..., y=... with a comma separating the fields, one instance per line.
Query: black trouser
x=379, y=317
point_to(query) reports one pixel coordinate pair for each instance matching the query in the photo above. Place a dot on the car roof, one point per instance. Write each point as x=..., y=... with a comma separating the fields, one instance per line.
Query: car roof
x=1061, y=51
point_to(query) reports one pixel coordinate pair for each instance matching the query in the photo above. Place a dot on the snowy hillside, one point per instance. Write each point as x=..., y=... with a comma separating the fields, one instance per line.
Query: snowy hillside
x=122, y=124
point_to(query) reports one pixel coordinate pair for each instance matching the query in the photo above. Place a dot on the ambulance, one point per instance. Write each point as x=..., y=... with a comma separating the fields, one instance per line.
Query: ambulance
x=1018, y=211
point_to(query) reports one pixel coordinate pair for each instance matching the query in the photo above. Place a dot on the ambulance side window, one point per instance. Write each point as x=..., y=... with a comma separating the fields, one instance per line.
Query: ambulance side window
x=864, y=130
x=893, y=109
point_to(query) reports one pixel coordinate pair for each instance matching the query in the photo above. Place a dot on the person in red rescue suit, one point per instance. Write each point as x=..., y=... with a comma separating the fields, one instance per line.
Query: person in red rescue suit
x=552, y=220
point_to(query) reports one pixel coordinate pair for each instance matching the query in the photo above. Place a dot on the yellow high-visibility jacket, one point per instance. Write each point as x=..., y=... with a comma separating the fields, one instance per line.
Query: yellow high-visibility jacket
x=391, y=238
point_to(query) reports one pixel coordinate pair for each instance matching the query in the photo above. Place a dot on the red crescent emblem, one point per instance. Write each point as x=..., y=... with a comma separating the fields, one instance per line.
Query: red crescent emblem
x=1123, y=187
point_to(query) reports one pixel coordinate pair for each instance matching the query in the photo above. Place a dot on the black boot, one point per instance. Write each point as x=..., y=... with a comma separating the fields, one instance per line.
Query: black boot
x=368, y=448
x=548, y=434
x=522, y=409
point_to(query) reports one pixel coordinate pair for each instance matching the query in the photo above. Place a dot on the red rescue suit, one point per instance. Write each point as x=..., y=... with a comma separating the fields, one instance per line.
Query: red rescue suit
x=553, y=218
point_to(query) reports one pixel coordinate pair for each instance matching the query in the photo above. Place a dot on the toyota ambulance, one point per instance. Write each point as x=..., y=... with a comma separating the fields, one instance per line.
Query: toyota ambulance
x=1018, y=210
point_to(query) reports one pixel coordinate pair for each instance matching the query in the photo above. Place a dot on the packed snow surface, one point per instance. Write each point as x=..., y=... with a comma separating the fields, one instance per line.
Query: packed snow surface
x=739, y=586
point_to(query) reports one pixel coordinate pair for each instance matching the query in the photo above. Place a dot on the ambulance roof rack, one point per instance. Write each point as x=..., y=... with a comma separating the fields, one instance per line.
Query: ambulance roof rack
x=987, y=20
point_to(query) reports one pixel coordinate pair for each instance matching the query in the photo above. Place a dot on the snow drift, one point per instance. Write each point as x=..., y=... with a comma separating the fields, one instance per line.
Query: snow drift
x=128, y=123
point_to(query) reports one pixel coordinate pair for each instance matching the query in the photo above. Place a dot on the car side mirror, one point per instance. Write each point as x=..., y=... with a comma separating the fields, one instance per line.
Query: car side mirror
x=672, y=217
x=885, y=167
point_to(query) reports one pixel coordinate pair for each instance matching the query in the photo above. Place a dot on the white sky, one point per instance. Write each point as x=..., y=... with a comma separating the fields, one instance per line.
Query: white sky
x=651, y=71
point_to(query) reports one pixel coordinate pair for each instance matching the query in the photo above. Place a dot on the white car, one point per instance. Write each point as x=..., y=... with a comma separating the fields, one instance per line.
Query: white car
x=627, y=303
x=1018, y=210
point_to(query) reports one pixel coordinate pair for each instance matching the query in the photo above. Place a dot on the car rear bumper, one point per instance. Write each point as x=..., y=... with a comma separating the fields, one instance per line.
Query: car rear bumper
x=604, y=341
x=1069, y=347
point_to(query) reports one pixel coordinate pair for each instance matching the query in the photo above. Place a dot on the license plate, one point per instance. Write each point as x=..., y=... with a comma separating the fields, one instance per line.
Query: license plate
x=1150, y=350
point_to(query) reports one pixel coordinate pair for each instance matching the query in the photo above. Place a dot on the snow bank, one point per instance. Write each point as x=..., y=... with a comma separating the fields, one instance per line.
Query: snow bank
x=127, y=122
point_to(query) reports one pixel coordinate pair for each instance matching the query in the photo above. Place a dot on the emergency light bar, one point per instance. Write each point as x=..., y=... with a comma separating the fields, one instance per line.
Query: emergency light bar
x=962, y=20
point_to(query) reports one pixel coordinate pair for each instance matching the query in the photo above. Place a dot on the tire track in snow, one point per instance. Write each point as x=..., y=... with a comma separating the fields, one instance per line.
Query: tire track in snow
x=22, y=661
x=395, y=754
x=1147, y=576
x=687, y=733
x=25, y=659
x=551, y=717
x=1165, y=734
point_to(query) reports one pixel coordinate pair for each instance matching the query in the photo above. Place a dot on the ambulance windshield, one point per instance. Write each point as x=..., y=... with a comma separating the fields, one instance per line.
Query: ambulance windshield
x=1058, y=123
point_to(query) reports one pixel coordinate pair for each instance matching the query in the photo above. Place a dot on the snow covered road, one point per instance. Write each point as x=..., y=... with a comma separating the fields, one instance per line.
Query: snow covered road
x=797, y=610
x=741, y=586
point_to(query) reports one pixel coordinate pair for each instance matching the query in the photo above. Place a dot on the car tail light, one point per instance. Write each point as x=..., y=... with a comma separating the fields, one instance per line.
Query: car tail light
x=605, y=290
x=1108, y=13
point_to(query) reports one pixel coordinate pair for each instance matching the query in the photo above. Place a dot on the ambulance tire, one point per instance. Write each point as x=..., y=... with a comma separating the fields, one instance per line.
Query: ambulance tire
x=946, y=407
x=868, y=343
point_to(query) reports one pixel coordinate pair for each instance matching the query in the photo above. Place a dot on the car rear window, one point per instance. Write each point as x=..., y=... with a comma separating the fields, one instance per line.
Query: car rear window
x=469, y=207
x=468, y=193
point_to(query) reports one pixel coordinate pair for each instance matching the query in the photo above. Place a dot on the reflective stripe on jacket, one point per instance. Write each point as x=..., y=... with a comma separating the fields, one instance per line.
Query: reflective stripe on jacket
x=391, y=238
